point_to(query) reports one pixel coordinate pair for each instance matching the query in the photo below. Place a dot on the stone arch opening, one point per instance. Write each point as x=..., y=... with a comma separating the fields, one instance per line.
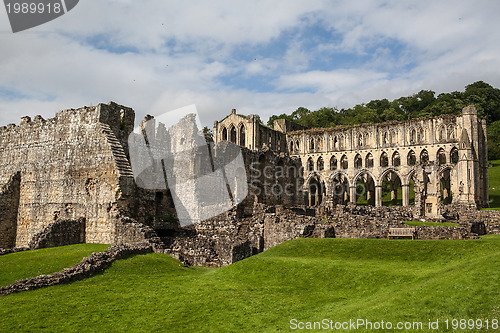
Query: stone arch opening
x=310, y=164
x=411, y=159
x=233, y=134
x=441, y=134
x=369, y=160
x=291, y=147
x=344, y=163
x=413, y=136
x=358, y=161
x=333, y=163
x=315, y=191
x=384, y=160
x=320, y=164
x=396, y=159
x=441, y=156
x=311, y=144
x=242, y=135
x=445, y=186
x=454, y=155
x=391, y=189
x=424, y=157
x=224, y=134
x=297, y=145
x=451, y=132
x=335, y=142
x=340, y=189
x=365, y=189
x=319, y=144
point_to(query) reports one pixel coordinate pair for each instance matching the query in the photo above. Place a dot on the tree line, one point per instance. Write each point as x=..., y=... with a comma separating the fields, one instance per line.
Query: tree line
x=424, y=104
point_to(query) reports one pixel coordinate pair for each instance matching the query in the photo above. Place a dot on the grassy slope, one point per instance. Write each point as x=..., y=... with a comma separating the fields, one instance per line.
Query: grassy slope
x=44, y=261
x=494, y=184
x=306, y=279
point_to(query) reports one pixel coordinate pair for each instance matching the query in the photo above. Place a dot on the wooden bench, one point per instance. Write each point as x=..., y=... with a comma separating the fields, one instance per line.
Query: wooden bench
x=401, y=232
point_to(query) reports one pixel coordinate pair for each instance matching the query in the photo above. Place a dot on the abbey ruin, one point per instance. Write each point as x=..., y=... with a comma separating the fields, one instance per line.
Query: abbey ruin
x=74, y=178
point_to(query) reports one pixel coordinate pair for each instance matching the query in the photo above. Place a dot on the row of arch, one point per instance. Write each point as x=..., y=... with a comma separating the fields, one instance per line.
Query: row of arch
x=235, y=134
x=417, y=135
x=368, y=161
x=390, y=189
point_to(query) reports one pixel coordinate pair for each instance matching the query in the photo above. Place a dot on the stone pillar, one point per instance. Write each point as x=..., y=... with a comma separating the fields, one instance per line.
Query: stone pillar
x=378, y=196
x=406, y=195
x=353, y=194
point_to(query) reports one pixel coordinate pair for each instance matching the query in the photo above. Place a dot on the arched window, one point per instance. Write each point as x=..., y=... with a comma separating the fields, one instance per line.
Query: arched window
x=233, y=134
x=291, y=146
x=311, y=144
x=344, y=164
x=442, y=135
x=441, y=156
x=333, y=163
x=451, y=132
x=297, y=146
x=386, y=138
x=384, y=160
x=412, y=159
x=242, y=135
x=369, y=161
x=310, y=164
x=336, y=142
x=358, y=162
x=396, y=159
x=360, y=140
x=421, y=135
x=454, y=155
x=424, y=157
x=319, y=144
x=224, y=134
x=320, y=164
x=413, y=136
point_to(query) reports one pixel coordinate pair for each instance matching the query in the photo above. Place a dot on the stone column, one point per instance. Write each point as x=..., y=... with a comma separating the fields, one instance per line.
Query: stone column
x=378, y=196
x=353, y=194
x=406, y=195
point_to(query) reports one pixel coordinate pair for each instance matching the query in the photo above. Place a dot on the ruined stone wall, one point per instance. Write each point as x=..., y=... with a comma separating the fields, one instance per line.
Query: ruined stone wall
x=60, y=233
x=73, y=165
x=9, y=204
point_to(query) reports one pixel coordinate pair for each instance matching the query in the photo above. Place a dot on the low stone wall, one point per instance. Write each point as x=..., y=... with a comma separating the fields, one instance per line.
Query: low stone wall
x=60, y=233
x=13, y=250
x=89, y=266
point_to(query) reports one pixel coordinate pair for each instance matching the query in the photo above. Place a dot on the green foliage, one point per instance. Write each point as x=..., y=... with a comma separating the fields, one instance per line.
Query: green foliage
x=432, y=224
x=421, y=105
x=494, y=185
x=305, y=279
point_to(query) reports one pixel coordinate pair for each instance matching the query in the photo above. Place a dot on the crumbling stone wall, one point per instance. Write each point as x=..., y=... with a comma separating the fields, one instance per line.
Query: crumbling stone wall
x=60, y=233
x=9, y=205
x=73, y=165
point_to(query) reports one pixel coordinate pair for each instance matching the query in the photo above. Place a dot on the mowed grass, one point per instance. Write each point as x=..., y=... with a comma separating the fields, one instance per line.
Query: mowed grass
x=28, y=264
x=494, y=185
x=302, y=279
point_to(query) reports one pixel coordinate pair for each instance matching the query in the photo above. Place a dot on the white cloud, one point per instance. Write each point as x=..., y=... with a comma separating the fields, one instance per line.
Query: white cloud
x=180, y=53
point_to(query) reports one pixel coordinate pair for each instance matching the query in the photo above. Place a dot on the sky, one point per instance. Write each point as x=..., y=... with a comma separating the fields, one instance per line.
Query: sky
x=259, y=57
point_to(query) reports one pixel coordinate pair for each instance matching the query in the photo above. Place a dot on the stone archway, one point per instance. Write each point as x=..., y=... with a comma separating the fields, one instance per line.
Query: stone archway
x=340, y=188
x=445, y=186
x=315, y=190
x=391, y=188
x=365, y=188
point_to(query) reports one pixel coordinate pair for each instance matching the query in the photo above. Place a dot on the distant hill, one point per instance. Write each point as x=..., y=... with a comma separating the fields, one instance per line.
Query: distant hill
x=423, y=104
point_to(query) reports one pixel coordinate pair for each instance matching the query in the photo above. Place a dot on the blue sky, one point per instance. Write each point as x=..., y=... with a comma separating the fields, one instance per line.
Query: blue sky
x=264, y=57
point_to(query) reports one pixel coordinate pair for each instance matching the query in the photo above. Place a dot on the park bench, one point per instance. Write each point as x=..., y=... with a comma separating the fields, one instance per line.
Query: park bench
x=401, y=232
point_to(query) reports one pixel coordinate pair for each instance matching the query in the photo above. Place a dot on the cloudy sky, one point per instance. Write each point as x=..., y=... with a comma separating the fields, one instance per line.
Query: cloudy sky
x=265, y=57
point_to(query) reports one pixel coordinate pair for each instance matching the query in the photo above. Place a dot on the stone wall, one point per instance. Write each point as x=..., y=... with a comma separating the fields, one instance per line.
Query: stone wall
x=9, y=205
x=60, y=233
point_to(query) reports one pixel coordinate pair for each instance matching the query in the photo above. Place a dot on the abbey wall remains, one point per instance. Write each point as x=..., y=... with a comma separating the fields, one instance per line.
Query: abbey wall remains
x=69, y=179
x=430, y=162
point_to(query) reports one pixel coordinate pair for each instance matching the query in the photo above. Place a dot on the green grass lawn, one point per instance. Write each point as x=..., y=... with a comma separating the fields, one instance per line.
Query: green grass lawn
x=303, y=279
x=432, y=224
x=494, y=184
x=27, y=264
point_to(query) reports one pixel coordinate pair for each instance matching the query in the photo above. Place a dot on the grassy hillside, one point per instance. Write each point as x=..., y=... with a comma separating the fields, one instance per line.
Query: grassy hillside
x=44, y=261
x=304, y=279
x=494, y=183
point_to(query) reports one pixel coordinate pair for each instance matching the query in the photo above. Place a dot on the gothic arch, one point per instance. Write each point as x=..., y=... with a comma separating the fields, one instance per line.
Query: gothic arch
x=411, y=158
x=224, y=134
x=384, y=160
x=396, y=159
x=291, y=147
x=242, y=135
x=344, y=162
x=311, y=144
x=424, y=157
x=441, y=156
x=358, y=161
x=333, y=163
x=369, y=160
x=310, y=164
x=320, y=164
x=233, y=134
x=454, y=155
